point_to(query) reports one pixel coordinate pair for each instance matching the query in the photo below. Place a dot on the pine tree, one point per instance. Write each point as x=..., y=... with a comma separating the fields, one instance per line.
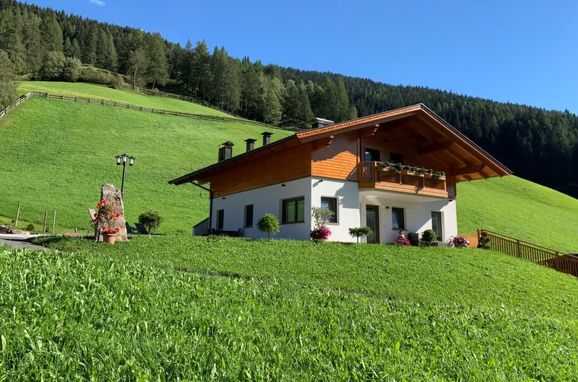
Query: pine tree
x=251, y=91
x=7, y=88
x=32, y=42
x=11, y=40
x=52, y=40
x=296, y=108
x=272, y=93
x=157, y=71
x=137, y=66
x=225, y=89
x=201, y=74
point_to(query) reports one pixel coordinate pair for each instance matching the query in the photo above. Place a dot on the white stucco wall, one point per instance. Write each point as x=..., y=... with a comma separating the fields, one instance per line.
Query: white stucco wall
x=265, y=200
x=347, y=194
x=351, y=209
x=417, y=214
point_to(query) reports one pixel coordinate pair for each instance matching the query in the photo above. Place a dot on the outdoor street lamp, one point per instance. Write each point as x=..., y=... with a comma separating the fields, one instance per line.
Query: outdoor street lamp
x=124, y=159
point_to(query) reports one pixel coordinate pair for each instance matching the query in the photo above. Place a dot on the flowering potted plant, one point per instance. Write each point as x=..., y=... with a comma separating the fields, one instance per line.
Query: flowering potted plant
x=401, y=239
x=459, y=242
x=107, y=220
x=320, y=232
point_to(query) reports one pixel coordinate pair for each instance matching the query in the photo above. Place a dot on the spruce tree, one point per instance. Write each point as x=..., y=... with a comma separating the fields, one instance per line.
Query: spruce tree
x=201, y=74
x=157, y=71
x=272, y=94
x=225, y=89
x=7, y=88
x=52, y=40
x=251, y=91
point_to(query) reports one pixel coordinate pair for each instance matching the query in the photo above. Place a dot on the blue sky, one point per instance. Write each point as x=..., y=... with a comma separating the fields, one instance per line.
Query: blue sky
x=512, y=51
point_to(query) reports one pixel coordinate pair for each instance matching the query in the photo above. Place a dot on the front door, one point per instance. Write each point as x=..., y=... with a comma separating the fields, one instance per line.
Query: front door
x=372, y=221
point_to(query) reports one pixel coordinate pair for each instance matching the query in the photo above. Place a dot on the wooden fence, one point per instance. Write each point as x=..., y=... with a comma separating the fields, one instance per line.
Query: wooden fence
x=18, y=101
x=532, y=252
x=144, y=109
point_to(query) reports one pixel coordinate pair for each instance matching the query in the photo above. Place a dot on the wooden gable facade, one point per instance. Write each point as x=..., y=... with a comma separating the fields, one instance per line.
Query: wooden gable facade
x=414, y=135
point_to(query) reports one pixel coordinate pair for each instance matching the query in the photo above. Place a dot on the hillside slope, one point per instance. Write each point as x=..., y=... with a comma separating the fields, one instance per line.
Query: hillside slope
x=56, y=154
x=517, y=207
x=103, y=92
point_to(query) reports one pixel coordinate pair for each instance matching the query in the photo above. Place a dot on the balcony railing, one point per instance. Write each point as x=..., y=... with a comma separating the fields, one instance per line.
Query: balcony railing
x=379, y=175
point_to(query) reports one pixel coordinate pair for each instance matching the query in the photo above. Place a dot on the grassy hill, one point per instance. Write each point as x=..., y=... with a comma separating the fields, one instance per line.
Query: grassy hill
x=233, y=309
x=520, y=208
x=124, y=96
x=56, y=154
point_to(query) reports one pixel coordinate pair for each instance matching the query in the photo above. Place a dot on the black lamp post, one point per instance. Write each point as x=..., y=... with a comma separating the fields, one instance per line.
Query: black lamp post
x=124, y=159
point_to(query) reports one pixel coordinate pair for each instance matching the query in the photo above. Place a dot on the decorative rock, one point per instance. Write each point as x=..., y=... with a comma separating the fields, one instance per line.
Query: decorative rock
x=114, y=196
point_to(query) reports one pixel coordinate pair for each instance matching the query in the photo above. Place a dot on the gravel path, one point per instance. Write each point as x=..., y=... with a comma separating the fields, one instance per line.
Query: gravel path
x=20, y=241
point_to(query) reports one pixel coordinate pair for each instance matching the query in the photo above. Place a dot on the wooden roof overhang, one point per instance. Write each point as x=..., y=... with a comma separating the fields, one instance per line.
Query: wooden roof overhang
x=203, y=175
x=450, y=149
x=446, y=147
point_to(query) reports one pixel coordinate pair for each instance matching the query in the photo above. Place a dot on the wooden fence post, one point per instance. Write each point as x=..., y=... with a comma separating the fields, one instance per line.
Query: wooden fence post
x=17, y=216
x=53, y=221
x=45, y=224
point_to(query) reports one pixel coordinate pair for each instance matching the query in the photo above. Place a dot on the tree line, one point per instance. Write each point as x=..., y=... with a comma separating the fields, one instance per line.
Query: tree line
x=40, y=43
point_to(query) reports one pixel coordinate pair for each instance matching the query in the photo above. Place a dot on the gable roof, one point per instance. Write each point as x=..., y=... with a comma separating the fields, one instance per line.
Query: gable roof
x=343, y=127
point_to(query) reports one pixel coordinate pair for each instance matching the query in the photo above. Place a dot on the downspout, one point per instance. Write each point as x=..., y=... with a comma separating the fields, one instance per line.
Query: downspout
x=211, y=194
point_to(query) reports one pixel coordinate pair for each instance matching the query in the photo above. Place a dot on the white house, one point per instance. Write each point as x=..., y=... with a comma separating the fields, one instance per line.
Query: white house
x=389, y=171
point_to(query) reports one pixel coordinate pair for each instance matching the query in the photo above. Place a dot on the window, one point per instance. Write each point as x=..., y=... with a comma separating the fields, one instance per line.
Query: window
x=397, y=218
x=220, y=219
x=436, y=224
x=331, y=205
x=396, y=158
x=293, y=210
x=248, y=216
x=371, y=155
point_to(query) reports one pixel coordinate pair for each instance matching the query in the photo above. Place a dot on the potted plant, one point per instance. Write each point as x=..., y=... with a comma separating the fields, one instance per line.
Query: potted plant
x=107, y=220
x=401, y=239
x=320, y=231
x=358, y=232
x=428, y=237
x=459, y=242
x=269, y=224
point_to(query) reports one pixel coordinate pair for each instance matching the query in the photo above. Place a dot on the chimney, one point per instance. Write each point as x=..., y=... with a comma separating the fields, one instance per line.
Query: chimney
x=321, y=122
x=226, y=151
x=266, y=138
x=250, y=144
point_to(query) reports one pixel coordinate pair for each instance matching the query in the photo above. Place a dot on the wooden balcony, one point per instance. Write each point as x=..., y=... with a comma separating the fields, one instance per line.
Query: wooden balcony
x=377, y=175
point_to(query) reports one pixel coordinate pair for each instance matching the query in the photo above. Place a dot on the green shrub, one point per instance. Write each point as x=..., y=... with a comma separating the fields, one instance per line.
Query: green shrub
x=269, y=224
x=53, y=66
x=30, y=227
x=72, y=69
x=428, y=236
x=358, y=232
x=151, y=220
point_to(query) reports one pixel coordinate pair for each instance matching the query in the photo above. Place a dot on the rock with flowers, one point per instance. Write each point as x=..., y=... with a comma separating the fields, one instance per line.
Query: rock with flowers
x=109, y=218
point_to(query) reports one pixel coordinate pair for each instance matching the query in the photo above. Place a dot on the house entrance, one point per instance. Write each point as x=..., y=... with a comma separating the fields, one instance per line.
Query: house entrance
x=372, y=221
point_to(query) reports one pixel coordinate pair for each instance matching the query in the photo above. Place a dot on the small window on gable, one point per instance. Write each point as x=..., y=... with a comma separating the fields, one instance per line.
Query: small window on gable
x=371, y=155
x=220, y=220
x=331, y=204
x=248, y=216
x=293, y=210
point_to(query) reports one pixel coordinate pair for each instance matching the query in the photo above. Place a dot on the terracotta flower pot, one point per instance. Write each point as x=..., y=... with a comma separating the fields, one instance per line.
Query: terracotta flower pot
x=109, y=238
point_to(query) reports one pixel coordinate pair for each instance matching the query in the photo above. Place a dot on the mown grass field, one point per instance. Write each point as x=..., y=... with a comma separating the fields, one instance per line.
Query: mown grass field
x=103, y=92
x=233, y=309
x=56, y=154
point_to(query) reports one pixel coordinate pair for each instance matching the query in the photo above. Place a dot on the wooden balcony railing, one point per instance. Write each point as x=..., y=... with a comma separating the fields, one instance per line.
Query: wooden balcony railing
x=375, y=175
x=532, y=252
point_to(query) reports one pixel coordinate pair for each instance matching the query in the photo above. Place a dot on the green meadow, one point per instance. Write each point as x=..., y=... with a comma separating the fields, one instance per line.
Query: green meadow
x=231, y=309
